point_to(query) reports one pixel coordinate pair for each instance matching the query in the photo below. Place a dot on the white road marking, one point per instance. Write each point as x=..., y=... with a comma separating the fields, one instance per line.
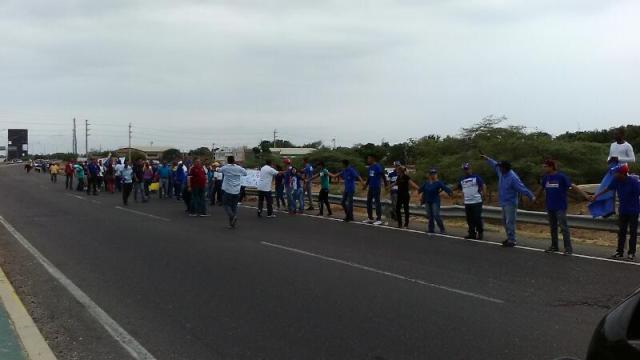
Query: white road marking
x=75, y=196
x=117, y=332
x=486, y=242
x=387, y=273
x=143, y=213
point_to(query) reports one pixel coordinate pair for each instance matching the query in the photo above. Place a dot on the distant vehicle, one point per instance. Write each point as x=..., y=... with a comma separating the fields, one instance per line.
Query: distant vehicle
x=617, y=336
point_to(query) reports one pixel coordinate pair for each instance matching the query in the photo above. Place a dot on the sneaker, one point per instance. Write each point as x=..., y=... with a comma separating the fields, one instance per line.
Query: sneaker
x=617, y=256
x=508, y=244
x=379, y=222
x=552, y=249
x=204, y=215
x=192, y=215
x=367, y=221
x=631, y=257
x=470, y=237
x=568, y=252
x=271, y=216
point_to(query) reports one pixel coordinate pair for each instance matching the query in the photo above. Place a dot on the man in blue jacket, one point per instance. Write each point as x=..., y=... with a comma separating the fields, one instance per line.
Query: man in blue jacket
x=509, y=188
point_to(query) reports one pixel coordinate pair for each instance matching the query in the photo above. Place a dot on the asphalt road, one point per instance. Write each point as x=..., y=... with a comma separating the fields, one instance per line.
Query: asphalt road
x=290, y=287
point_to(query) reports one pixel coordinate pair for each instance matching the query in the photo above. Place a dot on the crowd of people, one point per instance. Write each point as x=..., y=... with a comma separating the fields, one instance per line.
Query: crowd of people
x=197, y=184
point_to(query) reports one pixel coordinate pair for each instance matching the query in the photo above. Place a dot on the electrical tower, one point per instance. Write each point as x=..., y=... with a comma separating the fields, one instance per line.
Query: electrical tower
x=86, y=138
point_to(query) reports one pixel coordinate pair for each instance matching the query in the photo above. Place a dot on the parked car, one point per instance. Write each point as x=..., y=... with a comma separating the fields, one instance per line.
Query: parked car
x=617, y=336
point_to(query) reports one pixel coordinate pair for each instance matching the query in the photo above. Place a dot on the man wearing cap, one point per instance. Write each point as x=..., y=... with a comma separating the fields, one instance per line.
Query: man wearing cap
x=555, y=185
x=509, y=187
x=628, y=190
x=473, y=189
x=375, y=175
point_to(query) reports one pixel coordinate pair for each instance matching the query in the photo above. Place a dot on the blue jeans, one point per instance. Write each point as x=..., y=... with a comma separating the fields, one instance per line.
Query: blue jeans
x=230, y=202
x=433, y=213
x=509, y=215
x=347, y=204
x=164, y=187
x=373, y=195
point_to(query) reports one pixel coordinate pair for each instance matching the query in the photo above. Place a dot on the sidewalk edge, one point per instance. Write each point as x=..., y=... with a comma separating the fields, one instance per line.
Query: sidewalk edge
x=30, y=337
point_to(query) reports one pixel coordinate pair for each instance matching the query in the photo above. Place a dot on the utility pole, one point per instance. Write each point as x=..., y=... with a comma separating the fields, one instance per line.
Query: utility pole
x=275, y=132
x=86, y=138
x=129, y=142
x=74, y=141
x=333, y=144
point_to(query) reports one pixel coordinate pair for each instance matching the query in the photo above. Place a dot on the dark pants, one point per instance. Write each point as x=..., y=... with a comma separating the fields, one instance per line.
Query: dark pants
x=54, y=178
x=323, y=199
x=262, y=195
x=433, y=212
x=474, y=219
x=630, y=222
x=280, y=197
x=119, y=183
x=177, y=189
x=68, y=182
x=373, y=195
x=146, y=184
x=217, y=192
x=92, y=185
x=80, y=184
x=198, y=203
x=186, y=197
x=230, y=202
x=402, y=203
x=126, y=191
x=347, y=204
x=557, y=219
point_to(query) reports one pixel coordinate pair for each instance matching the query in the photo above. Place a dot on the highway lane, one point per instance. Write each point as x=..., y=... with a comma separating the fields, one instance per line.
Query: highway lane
x=187, y=288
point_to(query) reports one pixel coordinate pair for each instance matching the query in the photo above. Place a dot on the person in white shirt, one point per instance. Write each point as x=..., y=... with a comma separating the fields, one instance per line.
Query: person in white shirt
x=267, y=172
x=231, y=186
x=621, y=151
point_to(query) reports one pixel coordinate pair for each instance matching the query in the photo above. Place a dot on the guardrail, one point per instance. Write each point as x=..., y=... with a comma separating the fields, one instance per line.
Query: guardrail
x=489, y=212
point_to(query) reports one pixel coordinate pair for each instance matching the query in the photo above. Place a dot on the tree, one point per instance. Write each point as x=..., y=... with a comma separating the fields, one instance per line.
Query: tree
x=201, y=152
x=171, y=155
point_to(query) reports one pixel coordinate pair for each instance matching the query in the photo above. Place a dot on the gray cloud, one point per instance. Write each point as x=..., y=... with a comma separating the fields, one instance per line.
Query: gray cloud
x=231, y=71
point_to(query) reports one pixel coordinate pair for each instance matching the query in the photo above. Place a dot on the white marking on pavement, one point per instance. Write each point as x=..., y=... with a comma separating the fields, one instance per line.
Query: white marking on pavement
x=387, y=273
x=75, y=196
x=117, y=332
x=486, y=242
x=143, y=213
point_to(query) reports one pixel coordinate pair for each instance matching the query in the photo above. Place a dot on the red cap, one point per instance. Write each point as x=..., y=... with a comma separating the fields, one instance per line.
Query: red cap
x=623, y=169
x=550, y=163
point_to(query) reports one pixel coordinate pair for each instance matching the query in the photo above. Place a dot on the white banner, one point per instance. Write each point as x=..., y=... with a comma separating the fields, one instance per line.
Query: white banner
x=251, y=180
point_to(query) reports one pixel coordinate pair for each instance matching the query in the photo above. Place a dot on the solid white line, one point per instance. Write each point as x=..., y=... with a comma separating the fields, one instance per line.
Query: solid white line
x=486, y=242
x=383, y=272
x=117, y=332
x=143, y=213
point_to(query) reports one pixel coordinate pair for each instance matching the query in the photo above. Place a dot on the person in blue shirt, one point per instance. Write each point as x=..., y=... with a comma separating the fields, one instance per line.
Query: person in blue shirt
x=163, y=175
x=430, y=191
x=92, y=176
x=509, y=188
x=349, y=175
x=628, y=189
x=555, y=185
x=374, y=183
x=308, y=175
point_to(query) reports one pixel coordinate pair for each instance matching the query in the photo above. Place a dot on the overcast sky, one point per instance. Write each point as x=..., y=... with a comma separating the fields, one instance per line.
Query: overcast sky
x=193, y=73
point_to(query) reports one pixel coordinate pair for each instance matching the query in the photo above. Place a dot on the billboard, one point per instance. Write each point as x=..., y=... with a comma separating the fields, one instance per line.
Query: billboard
x=18, y=140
